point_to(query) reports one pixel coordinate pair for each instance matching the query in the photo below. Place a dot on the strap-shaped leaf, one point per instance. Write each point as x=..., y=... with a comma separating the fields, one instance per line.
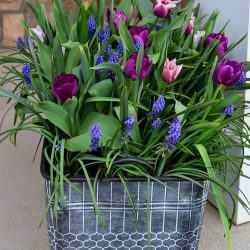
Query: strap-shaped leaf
x=56, y=114
x=217, y=193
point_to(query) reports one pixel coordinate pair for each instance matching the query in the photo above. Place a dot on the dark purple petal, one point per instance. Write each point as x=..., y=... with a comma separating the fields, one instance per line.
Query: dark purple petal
x=65, y=86
x=130, y=67
x=223, y=42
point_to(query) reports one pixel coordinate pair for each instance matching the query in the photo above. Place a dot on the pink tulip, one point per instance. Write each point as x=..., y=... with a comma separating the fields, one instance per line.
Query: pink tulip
x=190, y=27
x=171, y=70
x=163, y=8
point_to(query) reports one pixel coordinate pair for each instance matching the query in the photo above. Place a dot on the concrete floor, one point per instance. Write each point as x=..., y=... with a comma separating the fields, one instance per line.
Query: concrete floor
x=22, y=201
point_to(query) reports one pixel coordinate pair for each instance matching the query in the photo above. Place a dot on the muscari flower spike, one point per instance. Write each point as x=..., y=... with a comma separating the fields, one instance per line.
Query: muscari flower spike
x=229, y=111
x=91, y=25
x=129, y=125
x=158, y=106
x=26, y=71
x=100, y=60
x=19, y=43
x=240, y=84
x=156, y=123
x=95, y=134
x=113, y=59
x=174, y=133
x=138, y=44
x=119, y=49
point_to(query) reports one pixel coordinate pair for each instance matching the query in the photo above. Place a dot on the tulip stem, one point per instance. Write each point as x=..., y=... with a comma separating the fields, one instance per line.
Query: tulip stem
x=218, y=89
x=154, y=23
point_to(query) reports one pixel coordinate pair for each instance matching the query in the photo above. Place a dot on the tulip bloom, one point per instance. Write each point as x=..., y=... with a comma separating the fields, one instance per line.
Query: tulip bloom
x=197, y=38
x=130, y=67
x=190, y=27
x=223, y=42
x=140, y=34
x=163, y=8
x=39, y=32
x=65, y=86
x=117, y=15
x=228, y=72
x=171, y=70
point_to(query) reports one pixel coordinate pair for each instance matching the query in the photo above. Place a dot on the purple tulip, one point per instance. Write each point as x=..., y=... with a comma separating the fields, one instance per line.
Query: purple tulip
x=140, y=34
x=117, y=15
x=228, y=72
x=65, y=86
x=130, y=67
x=223, y=42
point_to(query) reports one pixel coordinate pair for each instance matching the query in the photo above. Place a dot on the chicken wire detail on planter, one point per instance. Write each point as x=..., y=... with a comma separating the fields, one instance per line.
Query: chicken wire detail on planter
x=175, y=219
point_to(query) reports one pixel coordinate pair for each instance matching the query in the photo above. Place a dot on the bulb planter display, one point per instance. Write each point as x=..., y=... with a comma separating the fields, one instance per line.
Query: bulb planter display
x=140, y=109
x=170, y=213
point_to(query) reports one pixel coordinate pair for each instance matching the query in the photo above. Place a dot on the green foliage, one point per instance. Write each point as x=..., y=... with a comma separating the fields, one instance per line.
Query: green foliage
x=208, y=136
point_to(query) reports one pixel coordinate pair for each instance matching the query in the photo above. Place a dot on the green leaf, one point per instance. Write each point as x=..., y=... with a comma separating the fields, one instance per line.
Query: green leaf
x=58, y=58
x=229, y=100
x=103, y=88
x=85, y=67
x=126, y=37
x=148, y=19
x=82, y=23
x=73, y=59
x=125, y=6
x=131, y=111
x=179, y=107
x=145, y=7
x=109, y=126
x=154, y=57
x=55, y=114
x=45, y=58
x=217, y=193
x=116, y=68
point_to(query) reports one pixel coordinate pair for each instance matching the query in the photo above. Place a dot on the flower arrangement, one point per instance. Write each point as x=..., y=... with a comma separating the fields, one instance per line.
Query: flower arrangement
x=146, y=80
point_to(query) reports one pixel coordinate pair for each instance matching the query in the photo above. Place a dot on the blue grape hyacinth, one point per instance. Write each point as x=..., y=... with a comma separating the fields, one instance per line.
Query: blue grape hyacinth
x=95, y=134
x=26, y=71
x=158, y=106
x=240, y=84
x=19, y=43
x=129, y=125
x=100, y=60
x=229, y=111
x=174, y=133
x=91, y=25
x=113, y=59
x=156, y=123
x=138, y=44
x=119, y=49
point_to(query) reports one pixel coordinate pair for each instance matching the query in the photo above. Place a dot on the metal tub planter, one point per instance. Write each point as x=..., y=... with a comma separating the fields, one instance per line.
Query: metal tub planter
x=175, y=214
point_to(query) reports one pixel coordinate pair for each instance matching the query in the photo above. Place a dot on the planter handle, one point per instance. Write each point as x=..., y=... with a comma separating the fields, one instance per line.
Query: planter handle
x=136, y=160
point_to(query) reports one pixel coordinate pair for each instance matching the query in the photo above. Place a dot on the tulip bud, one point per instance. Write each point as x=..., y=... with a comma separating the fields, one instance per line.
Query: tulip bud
x=163, y=8
x=223, y=42
x=197, y=38
x=117, y=15
x=39, y=32
x=190, y=27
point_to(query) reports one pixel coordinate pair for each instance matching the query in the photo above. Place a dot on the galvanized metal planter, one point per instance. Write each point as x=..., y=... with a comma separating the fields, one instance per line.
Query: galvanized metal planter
x=176, y=212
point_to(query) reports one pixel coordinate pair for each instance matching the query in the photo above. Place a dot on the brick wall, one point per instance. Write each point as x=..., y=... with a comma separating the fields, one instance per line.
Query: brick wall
x=11, y=11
